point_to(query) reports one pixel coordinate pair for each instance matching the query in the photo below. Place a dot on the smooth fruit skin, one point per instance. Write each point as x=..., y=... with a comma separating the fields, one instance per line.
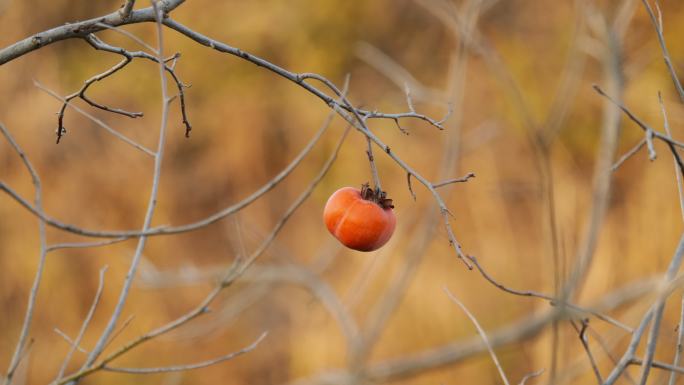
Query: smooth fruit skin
x=358, y=223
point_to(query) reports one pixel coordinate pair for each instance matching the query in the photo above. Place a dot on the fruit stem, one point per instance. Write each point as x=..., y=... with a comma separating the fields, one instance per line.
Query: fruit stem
x=374, y=169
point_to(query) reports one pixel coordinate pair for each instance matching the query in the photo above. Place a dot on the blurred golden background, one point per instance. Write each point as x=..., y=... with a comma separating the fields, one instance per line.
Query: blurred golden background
x=248, y=124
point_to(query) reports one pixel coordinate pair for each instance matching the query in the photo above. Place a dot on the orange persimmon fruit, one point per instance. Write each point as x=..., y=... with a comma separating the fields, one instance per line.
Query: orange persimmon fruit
x=362, y=220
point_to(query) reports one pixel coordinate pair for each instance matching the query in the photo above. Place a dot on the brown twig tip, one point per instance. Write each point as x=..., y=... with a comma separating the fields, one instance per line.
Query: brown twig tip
x=462, y=179
x=401, y=129
x=61, y=130
x=377, y=196
x=410, y=188
x=598, y=89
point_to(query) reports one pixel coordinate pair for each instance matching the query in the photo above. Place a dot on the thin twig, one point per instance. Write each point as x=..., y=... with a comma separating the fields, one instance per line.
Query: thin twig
x=98, y=44
x=455, y=180
x=680, y=190
x=678, y=171
x=552, y=300
x=629, y=154
x=186, y=367
x=538, y=373
x=410, y=187
x=84, y=325
x=658, y=365
x=665, y=138
x=581, y=331
x=20, y=348
x=373, y=167
x=129, y=35
x=61, y=130
x=658, y=309
x=120, y=330
x=482, y=333
x=83, y=245
x=678, y=346
x=69, y=340
x=95, y=120
x=607, y=350
x=658, y=25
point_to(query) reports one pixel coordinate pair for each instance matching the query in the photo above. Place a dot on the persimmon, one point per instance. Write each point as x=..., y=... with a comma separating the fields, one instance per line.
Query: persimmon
x=362, y=220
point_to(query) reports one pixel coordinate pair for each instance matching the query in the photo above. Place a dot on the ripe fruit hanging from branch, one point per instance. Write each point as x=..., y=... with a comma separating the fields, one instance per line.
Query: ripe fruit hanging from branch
x=362, y=220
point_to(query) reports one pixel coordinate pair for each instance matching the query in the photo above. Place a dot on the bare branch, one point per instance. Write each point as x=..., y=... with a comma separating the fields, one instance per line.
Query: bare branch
x=83, y=245
x=678, y=171
x=482, y=333
x=629, y=154
x=658, y=309
x=21, y=347
x=84, y=325
x=374, y=169
x=120, y=330
x=552, y=300
x=680, y=189
x=658, y=25
x=82, y=29
x=410, y=188
x=455, y=180
x=128, y=55
x=659, y=365
x=95, y=120
x=581, y=331
x=129, y=35
x=639, y=122
x=678, y=346
x=69, y=340
x=649, y=132
x=61, y=130
x=183, y=368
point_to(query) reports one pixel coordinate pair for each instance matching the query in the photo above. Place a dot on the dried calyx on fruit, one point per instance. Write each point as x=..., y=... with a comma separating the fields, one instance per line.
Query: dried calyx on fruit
x=376, y=195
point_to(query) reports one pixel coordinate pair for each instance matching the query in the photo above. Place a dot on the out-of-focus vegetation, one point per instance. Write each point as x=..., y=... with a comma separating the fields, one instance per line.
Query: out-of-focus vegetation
x=249, y=123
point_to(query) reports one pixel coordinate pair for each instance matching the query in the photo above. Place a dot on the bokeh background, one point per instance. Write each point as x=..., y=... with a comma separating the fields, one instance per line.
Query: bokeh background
x=249, y=124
